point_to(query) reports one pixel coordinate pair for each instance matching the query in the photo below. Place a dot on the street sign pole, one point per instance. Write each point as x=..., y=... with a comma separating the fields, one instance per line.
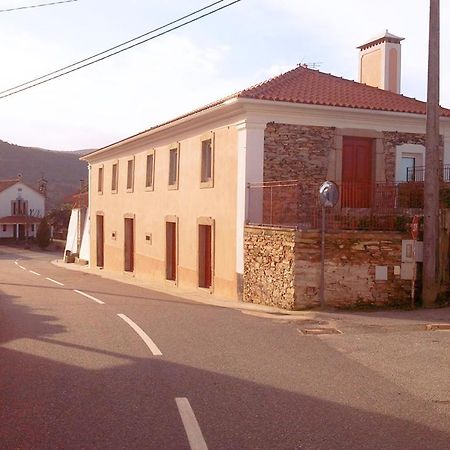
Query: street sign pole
x=329, y=196
x=322, y=262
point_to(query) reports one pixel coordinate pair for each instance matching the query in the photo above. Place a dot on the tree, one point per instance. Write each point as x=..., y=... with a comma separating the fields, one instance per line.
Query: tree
x=43, y=234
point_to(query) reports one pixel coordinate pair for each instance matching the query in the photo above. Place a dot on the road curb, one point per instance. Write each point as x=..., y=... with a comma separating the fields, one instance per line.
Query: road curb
x=272, y=312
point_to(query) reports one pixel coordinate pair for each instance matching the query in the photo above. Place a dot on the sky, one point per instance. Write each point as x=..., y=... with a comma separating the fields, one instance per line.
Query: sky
x=233, y=49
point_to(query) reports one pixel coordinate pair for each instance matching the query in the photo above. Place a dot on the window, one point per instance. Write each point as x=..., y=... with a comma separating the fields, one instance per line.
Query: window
x=32, y=227
x=100, y=180
x=173, y=168
x=130, y=175
x=408, y=168
x=150, y=168
x=4, y=228
x=114, y=178
x=409, y=162
x=207, y=163
x=19, y=207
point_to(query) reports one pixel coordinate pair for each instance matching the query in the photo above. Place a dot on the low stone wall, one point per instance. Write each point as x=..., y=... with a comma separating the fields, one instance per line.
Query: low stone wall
x=269, y=257
x=351, y=258
x=282, y=268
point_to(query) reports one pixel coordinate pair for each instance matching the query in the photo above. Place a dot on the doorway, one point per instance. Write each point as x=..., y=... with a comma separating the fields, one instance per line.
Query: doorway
x=129, y=245
x=171, y=251
x=205, y=256
x=21, y=231
x=100, y=241
x=357, y=178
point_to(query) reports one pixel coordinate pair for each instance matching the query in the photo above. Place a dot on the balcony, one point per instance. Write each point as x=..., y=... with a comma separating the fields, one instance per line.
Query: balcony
x=417, y=173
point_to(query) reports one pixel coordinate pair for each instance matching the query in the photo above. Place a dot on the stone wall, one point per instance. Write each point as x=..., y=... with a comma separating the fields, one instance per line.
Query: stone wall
x=282, y=268
x=296, y=152
x=269, y=266
x=351, y=258
x=393, y=138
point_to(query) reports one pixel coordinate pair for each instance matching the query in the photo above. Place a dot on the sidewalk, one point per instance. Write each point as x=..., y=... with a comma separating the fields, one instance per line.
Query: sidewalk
x=390, y=318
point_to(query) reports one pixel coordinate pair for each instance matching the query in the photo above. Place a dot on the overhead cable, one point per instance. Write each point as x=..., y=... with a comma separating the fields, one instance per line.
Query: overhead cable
x=94, y=58
x=17, y=8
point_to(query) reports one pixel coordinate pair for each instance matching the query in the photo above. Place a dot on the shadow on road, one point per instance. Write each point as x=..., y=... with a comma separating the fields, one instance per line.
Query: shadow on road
x=47, y=404
x=18, y=321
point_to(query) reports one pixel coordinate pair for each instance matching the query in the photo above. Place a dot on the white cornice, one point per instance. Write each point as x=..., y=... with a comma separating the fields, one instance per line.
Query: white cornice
x=339, y=117
x=257, y=113
x=222, y=114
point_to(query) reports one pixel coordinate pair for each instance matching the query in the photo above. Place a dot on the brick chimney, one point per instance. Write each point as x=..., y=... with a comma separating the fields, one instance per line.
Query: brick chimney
x=379, y=62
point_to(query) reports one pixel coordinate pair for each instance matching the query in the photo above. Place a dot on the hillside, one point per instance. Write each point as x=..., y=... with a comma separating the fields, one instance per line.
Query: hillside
x=62, y=170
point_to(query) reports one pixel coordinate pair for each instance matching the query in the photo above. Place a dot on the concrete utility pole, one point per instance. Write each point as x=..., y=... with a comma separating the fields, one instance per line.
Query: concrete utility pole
x=431, y=282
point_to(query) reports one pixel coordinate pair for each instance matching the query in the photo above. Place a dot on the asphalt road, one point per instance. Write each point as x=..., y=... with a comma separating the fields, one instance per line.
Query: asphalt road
x=118, y=366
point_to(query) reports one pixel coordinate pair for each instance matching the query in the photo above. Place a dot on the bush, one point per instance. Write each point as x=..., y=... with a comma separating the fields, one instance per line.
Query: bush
x=43, y=234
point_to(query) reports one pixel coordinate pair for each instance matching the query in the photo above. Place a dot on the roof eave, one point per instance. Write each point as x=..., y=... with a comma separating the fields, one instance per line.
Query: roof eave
x=229, y=103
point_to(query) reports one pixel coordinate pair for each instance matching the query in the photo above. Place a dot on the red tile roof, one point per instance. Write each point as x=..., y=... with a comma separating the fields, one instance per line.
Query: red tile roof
x=303, y=85
x=5, y=184
x=19, y=219
x=312, y=87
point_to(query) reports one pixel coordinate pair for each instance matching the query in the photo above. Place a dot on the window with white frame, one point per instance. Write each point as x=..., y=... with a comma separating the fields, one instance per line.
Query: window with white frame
x=409, y=163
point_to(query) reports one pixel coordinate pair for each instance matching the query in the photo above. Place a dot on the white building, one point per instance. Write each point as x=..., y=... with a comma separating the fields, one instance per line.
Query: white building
x=21, y=209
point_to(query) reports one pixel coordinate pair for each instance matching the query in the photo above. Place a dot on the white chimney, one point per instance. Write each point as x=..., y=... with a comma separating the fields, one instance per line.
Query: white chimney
x=379, y=62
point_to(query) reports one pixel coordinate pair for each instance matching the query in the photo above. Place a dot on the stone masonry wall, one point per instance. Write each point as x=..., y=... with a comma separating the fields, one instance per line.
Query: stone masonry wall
x=269, y=266
x=391, y=139
x=350, y=261
x=296, y=152
x=282, y=268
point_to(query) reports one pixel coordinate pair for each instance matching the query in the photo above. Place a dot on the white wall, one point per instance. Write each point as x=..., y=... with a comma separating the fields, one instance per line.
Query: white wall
x=85, y=238
x=35, y=200
x=9, y=231
x=72, y=232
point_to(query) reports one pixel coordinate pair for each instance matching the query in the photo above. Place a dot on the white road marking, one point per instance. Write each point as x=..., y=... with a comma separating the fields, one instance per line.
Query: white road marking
x=54, y=281
x=89, y=296
x=16, y=262
x=23, y=268
x=32, y=271
x=191, y=426
x=142, y=334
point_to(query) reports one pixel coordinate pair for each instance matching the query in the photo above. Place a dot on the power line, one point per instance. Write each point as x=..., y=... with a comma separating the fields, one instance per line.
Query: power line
x=28, y=85
x=110, y=49
x=37, y=6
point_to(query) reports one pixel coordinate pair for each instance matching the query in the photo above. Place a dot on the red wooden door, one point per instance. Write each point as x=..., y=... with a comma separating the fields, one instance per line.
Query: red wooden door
x=100, y=241
x=357, y=180
x=129, y=245
x=205, y=256
x=171, y=251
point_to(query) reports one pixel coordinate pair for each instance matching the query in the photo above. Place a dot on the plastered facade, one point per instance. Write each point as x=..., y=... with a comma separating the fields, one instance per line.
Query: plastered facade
x=188, y=204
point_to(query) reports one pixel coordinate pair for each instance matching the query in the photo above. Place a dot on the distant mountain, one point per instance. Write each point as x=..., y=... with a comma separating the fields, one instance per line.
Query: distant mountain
x=62, y=170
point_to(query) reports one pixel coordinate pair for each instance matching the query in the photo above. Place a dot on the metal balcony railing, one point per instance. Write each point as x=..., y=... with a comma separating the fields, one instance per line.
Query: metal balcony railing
x=365, y=206
x=417, y=173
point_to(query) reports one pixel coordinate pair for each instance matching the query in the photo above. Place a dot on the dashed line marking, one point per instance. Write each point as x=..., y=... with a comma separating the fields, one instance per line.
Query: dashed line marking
x=191, y=426
x=16, y=262
x=142, y=334
x=54, y=281
x=35, y=273
x=89, y=296
x=23, y=268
